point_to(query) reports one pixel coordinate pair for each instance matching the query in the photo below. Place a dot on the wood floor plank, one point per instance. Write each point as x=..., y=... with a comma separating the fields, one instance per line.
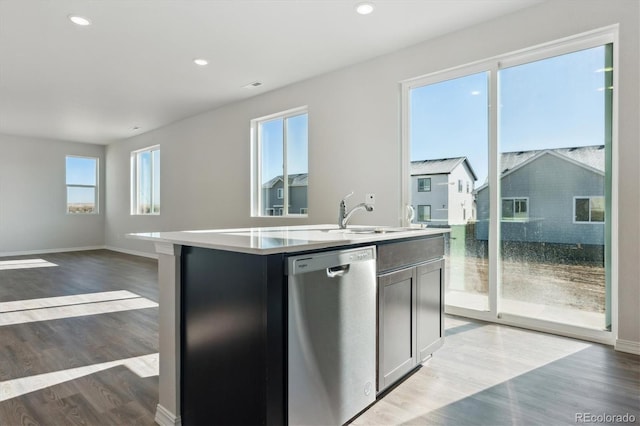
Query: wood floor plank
x=116, y=396
x=485, y=374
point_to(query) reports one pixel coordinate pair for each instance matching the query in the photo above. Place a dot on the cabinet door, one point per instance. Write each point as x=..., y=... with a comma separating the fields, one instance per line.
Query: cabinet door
x=429, y=292
x=396, y=326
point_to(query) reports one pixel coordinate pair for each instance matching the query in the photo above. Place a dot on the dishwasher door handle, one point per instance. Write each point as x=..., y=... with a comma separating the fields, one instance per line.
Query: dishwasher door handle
x=337, y=271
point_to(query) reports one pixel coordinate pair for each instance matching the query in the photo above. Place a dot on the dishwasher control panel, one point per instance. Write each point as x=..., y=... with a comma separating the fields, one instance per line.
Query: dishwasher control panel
x=317, y=261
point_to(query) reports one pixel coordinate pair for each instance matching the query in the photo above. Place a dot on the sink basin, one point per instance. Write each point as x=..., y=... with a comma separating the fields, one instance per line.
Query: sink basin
x=376, y=230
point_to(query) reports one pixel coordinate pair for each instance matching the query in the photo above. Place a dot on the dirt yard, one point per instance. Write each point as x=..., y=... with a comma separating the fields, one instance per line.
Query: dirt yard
x=575, y=286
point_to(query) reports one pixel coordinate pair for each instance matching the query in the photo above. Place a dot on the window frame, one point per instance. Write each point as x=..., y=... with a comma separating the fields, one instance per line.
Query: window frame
x=492, y=65
x=514, y=218
x=424, y=186
x=257, y=206
x=135, y=181
x=418, y=219
x=96, y=193
x=590, y=198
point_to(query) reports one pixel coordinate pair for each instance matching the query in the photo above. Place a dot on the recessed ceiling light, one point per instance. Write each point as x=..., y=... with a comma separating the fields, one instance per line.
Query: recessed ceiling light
x=253, y=85
x=200, y=61
x=364, y=8
x=79, y=20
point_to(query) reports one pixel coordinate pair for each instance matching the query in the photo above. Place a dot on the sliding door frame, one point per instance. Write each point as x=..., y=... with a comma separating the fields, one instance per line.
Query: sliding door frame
x=493, y=65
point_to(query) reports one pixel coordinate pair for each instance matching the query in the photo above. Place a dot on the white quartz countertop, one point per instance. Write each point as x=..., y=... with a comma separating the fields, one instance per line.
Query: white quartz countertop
x=285, y=239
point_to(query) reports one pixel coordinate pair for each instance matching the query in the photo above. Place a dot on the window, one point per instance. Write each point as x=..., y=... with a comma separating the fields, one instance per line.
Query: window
x=552, y=137
x=588, y=209
x=515, y=208
x=82, y=184
x=424, y=184
x=280, y=156
x=467, y=187
x=145, y=181
x=424, y=213
x=459, y=185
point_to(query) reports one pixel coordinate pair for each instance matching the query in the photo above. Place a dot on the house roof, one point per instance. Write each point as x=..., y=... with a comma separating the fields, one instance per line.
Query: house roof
x=589, y=157
x=298, y=179
x=439, y=166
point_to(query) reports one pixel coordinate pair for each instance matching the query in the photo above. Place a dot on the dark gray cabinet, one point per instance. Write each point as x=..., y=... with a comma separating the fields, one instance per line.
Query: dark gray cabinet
x=429, y=308
x=396, y=323
x=410, y=301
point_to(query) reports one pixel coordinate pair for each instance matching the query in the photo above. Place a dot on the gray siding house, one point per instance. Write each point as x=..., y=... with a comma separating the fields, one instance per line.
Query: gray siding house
x=442, y=191
x=550, y=196
x=273, y=195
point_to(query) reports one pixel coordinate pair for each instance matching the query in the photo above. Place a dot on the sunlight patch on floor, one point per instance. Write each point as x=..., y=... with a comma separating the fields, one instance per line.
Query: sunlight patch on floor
x=143, y=366
x=469, y=362
x=25, y=264
x=52, y=308
x=75, y=299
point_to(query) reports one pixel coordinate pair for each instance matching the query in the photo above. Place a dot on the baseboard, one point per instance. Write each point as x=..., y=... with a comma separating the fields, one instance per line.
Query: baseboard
x=628, y=346
x=45, y=251
x=132, y=252
x=68, y=249
x=165, y=417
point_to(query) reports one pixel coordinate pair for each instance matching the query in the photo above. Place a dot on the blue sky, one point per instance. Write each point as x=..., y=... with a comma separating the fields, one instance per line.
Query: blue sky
x=272, y=148
x=554, y=103
x=80, y=171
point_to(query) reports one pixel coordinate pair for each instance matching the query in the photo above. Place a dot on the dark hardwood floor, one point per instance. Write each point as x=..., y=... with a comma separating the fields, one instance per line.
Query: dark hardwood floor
x=113, y=396
x=485, y=374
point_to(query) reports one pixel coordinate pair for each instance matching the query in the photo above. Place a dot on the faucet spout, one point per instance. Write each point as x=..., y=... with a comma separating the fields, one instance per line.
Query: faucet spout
x=344, y=216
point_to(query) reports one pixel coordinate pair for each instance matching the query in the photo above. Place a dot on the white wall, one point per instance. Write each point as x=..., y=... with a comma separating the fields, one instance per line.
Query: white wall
x=354, y=134
x=459, y=215
x=33, y=197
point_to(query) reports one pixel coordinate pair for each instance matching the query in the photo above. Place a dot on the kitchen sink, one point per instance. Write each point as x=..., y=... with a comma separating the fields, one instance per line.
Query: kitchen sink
x=373, y=230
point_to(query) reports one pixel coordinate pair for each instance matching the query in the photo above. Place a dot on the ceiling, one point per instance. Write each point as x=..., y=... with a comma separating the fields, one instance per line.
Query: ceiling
x=133, y=67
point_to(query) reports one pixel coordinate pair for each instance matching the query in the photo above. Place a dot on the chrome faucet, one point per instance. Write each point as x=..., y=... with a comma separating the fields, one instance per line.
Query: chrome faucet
x=344, y=216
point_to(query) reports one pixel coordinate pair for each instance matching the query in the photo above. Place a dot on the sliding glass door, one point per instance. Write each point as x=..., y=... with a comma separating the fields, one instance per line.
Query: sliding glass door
x=449, y=147
x=554, y=127
x=515, y=156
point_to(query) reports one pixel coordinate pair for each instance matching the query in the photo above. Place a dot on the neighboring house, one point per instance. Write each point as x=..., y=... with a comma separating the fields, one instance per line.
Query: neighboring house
x=551, y=196
x=273, y=195
x=442, y=191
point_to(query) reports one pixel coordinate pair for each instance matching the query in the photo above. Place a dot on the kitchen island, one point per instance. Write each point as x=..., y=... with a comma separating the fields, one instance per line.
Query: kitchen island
x=223, y=314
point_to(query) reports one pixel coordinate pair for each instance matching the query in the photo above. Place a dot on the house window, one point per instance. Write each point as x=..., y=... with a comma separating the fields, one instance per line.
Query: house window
x=467, y=187
x=516, y=209
x=145, y=181
x=459, y=185
x=588, y=209
x=280, y=157
x=424, y=213
x=82, y=184
x=424, y=184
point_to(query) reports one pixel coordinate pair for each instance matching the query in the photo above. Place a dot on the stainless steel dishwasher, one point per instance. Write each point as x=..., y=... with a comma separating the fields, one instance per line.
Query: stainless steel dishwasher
x=332, y=335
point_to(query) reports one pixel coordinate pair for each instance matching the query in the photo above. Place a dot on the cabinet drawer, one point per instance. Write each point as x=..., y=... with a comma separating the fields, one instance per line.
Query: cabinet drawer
x=405, y=253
